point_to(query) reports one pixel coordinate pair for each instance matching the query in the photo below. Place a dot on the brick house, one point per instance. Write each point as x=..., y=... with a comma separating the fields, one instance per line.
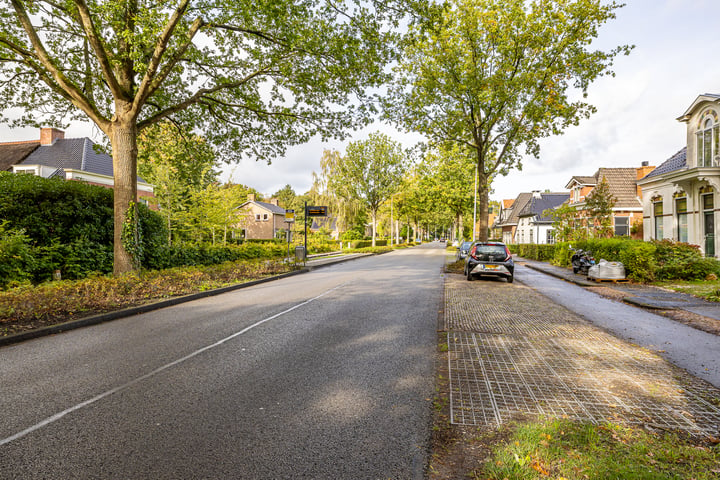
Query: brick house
x=54, y=156
x=261, y=220
x=508, y=218
x=623, y=185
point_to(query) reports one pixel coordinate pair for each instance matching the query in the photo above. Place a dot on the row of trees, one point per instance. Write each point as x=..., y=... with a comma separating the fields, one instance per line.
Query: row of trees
x=486, y=77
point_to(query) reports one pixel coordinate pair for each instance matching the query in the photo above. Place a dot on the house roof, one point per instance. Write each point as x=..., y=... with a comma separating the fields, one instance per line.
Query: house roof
x=70, y=153
x=676, y=162
x=14, y=153
x=541, y=202
x=517, y=206
x=508, y=203
x=707, y=97
x=581, y=180
x=623, y=185
x=267, y=206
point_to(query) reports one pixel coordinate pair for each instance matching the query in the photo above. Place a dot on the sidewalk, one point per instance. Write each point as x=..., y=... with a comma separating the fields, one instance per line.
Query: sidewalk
x=645, y=296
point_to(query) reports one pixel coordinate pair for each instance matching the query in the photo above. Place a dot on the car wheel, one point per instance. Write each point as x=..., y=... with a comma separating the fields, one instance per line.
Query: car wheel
x=469, y=275
x=510, y=278
x=575, y=270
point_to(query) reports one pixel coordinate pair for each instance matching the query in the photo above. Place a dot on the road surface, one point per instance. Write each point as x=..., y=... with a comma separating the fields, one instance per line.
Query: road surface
x=322, y=375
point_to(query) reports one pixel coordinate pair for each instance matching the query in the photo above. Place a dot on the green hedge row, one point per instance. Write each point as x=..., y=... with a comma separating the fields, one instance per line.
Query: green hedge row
x=643, y=261
x=367, y=243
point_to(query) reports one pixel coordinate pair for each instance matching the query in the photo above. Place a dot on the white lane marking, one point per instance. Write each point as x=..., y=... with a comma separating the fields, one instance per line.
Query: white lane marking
x=97, y=398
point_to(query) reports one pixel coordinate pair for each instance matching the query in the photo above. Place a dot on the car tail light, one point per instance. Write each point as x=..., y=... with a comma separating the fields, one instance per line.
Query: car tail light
x=507, y=252
x=473, y=250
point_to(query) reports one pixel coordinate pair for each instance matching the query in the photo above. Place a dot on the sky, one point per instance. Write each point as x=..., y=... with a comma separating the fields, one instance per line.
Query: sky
x=674, y=61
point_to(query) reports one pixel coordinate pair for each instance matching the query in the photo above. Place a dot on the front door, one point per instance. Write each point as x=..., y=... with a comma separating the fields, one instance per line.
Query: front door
x=709, y=225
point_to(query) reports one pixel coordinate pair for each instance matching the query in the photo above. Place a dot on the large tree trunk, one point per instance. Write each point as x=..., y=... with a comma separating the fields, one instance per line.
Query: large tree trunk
x=123, y=139
x=483, y=202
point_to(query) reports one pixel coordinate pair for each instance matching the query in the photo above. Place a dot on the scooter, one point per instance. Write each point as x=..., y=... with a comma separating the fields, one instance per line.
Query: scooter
x=581, y=261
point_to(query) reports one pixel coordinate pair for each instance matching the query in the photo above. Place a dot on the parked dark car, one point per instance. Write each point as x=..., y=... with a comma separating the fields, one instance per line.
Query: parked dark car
x=463, y=250
x=489, y=258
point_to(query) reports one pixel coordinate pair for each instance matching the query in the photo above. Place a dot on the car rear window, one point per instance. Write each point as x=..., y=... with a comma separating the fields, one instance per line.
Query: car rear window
x=465, y=245
x=490, y=249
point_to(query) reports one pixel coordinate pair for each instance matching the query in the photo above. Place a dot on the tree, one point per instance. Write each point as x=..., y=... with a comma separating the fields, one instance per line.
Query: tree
x=179, y=165
x=286, y=196
x=496, y=75
x=256, y=77
x=450, y=180
x=370, y=172
x=598, y=208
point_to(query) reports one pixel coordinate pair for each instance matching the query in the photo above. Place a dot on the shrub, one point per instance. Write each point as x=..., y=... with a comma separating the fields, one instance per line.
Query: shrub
x=16, y=256
x=639, y=261
x=683, y=261
x=367, y=243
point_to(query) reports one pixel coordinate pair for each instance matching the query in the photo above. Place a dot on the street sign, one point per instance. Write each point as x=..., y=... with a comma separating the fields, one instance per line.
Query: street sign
x=289, y=215
x=317, y=211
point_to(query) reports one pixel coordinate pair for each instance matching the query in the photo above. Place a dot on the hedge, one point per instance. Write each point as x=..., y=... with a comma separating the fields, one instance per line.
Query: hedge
x=355, y=244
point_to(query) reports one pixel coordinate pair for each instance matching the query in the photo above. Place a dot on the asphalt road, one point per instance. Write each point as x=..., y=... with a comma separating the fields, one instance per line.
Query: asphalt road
x=321, y=375
x=696, y=351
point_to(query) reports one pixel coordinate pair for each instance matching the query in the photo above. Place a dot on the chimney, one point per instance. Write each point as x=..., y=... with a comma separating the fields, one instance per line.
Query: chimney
x=274, y=201
x=251, y=197
x=536, y=194
x=644, y=169
x=49, y=135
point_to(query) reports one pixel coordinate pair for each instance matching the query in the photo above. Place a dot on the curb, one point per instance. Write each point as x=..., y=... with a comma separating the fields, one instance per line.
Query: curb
x=127, y=312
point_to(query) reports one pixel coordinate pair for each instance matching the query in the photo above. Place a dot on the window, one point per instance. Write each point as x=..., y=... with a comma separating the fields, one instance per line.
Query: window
x=682, y=219
x=258, y=217
x=622, y=226
x=265, y=217
x=708, y=139
x=550, y=237
x=531, y=236
x=658, y=219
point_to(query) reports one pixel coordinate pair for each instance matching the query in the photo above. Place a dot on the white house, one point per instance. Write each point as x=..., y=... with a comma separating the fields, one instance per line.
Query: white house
x=534, y=226
x=680, y=197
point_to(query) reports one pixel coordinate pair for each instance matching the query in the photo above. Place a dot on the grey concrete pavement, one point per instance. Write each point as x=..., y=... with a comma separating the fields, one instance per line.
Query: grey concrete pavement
x=321, y=375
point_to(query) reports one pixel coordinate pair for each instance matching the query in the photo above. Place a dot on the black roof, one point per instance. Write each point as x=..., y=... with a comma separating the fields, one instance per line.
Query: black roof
x=676, y=162
x=545, y=201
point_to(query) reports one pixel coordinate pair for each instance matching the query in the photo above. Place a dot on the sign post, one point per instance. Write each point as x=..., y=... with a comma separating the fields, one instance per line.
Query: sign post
x=289, y=219
x=313, y=211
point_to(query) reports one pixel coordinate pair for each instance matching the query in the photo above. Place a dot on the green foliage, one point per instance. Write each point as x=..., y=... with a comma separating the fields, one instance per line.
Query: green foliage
x=57, y=301
x=564, y=449
x=356, y=244
x=55, y=210
x=598, y=208
x=683, y=261
x=370, y=172
x=639, y=261
x=15, y=255
x=499, y=75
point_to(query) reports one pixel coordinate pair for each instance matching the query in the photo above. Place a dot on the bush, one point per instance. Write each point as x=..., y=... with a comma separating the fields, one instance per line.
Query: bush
x=639, y=261
x=683, y=261
x=16, y=256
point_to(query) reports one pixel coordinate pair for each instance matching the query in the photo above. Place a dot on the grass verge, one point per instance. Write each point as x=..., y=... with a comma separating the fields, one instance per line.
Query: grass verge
x=29, y=307
x=707, y=289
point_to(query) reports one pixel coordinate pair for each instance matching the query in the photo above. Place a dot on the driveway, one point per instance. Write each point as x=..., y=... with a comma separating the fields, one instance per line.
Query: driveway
x=514, y=351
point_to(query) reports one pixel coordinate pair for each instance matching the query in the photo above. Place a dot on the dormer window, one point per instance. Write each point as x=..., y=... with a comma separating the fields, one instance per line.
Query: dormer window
x=708, y=138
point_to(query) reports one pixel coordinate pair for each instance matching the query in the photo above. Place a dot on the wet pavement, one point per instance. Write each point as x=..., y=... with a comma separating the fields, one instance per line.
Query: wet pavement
x=513, y=352
x=646, y=296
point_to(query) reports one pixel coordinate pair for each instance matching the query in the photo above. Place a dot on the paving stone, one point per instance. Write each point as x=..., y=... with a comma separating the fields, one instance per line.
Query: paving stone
x=512, y=351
